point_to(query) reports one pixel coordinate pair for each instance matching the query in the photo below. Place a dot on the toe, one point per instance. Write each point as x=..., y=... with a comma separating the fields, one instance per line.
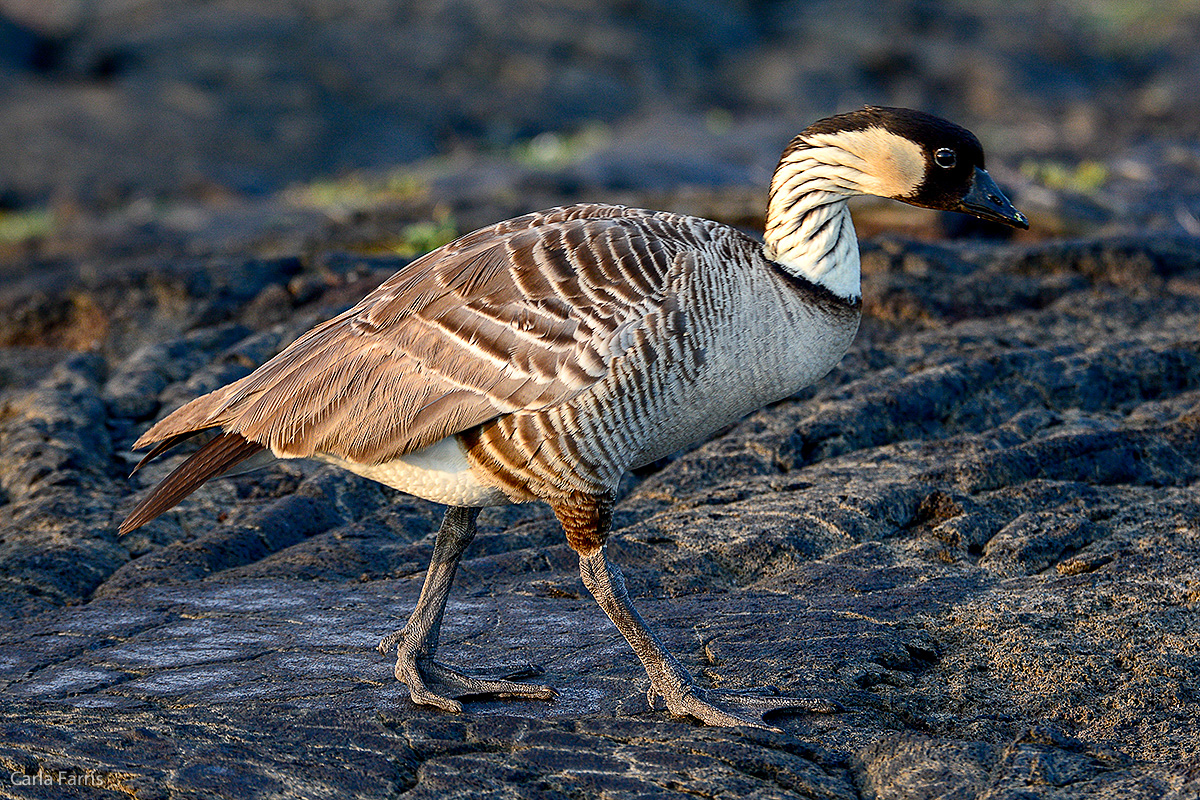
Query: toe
x=464, y=685
x=711, y=714
x=732, y=708
x=423, y=697
x=408, y=673
x=390, y=642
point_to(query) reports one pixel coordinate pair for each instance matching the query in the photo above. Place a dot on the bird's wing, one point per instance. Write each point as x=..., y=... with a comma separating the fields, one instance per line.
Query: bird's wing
x=520, y=315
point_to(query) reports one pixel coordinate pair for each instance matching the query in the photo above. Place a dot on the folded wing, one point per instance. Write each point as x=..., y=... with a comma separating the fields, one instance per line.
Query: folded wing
x=521, y=315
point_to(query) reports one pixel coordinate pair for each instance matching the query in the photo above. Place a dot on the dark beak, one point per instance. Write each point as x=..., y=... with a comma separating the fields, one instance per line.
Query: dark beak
x=986, y=201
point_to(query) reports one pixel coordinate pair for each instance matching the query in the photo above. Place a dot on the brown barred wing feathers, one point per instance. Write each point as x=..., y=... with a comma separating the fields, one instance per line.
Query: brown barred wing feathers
x=519, y=316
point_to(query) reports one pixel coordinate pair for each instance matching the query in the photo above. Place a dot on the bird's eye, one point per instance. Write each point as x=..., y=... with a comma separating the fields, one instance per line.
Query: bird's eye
x=945, y=158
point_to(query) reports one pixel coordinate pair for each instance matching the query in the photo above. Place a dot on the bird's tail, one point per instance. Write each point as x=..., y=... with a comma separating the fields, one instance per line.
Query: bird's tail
x=215, y=458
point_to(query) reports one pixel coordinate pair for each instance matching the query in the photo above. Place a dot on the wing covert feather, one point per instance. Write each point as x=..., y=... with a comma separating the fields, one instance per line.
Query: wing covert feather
x=521, y=315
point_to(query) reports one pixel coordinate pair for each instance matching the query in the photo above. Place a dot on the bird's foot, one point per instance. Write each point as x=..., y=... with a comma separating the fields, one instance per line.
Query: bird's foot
x=419, y=672
x=737, y=707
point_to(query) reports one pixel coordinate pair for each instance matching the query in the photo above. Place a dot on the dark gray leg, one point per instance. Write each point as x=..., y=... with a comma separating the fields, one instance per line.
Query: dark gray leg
x=668, y=679
x=416, y=643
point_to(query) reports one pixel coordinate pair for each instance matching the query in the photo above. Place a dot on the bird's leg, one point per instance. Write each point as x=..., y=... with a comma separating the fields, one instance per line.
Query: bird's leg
x=586, y=530
x=416, y=643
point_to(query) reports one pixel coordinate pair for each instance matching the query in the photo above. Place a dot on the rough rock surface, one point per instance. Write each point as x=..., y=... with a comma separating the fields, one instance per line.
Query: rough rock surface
x=980, y=535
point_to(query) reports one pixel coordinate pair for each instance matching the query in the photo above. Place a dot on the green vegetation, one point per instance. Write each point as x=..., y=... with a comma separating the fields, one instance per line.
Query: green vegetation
x=718, y=121
x=551, y=149
x=1085, y=178
x=1135, y=20
x=346, y=196
x=357, y=191
x=1116, y=27
x=420, y=238
x=21, y=226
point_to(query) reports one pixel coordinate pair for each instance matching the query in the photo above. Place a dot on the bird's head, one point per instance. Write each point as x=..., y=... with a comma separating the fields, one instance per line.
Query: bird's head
x=907, y=155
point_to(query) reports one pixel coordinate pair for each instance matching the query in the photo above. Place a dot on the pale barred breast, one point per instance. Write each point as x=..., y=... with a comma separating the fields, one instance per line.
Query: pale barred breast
x=737, y=335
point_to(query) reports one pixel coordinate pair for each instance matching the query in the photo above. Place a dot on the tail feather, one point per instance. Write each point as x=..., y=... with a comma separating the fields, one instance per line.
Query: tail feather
x=215, y=458
x=163, y=447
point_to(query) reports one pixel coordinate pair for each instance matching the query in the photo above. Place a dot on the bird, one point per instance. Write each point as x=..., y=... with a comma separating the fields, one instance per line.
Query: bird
x=543, y=357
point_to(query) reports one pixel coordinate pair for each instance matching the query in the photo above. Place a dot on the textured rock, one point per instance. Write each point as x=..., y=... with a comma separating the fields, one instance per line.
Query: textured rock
x=979, y=535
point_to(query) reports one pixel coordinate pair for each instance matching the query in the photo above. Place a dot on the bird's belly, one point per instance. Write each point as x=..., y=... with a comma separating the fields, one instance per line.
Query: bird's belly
x=735, y=381
x=678, y=435
x=690, y=420
x=439, y=473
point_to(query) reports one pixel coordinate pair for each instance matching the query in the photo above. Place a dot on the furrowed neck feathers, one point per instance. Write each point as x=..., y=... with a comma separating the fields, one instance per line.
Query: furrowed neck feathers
x=809, y=232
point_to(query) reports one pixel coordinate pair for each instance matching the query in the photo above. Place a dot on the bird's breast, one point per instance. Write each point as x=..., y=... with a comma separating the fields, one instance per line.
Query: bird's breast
x=727, y=348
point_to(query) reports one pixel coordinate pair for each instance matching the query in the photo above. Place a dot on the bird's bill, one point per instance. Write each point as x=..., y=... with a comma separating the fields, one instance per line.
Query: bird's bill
x=986, y=201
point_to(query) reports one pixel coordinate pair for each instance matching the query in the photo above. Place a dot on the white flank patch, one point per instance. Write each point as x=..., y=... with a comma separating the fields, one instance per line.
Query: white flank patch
x=439, y=473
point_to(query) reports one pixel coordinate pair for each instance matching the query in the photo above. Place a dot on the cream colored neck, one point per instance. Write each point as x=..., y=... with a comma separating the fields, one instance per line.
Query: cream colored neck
x=809, y=232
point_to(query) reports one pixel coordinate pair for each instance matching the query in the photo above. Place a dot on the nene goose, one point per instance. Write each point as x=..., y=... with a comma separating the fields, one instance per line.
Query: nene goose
x=542, y=357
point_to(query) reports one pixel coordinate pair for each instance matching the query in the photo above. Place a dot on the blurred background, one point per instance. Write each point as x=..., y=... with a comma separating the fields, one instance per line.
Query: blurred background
x=158, y=114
